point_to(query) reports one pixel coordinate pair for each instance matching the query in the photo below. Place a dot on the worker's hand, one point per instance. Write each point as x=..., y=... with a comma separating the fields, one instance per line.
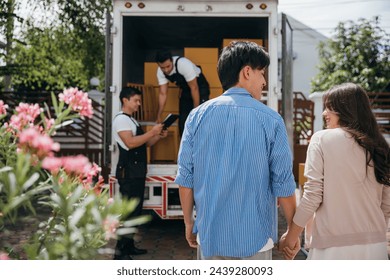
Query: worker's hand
x=191, y=237
x=157, y=129
x=164, y=133
x=158, y=120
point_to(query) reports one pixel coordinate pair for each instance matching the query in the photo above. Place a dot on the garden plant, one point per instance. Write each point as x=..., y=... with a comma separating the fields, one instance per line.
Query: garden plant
x=82, y=217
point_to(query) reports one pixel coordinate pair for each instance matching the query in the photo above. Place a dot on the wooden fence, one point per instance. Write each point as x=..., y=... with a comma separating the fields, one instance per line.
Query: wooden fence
x=380, y=103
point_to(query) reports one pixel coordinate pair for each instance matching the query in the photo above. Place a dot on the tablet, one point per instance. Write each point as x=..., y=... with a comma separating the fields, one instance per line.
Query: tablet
x=169, y=120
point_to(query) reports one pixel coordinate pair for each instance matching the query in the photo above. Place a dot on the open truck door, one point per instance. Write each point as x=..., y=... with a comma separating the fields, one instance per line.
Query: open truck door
x=287, y=72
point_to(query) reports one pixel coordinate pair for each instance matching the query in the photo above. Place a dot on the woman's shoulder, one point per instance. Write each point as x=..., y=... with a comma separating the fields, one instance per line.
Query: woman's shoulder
x=329, y=134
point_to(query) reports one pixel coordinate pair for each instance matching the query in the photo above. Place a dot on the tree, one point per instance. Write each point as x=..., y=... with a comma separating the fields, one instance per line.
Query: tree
x=63, y=46
x=51, y=60
x=7, y=21
x=358, y=53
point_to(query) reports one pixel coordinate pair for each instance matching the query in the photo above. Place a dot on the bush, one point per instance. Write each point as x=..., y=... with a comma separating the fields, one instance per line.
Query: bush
x=82, y=216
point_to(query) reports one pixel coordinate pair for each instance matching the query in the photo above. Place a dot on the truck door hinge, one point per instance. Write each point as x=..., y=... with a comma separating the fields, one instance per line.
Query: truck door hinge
x=112, y=89
x=113, y=30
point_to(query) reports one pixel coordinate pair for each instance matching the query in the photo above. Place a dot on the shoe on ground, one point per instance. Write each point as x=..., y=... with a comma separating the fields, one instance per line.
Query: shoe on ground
x=122, y=257
x=137, y=251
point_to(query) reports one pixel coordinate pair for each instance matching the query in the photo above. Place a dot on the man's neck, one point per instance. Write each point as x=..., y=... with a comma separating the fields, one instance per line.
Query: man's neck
x=127, y=112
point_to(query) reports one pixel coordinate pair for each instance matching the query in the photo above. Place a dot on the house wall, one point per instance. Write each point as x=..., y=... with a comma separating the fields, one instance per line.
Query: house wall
x=306, y=58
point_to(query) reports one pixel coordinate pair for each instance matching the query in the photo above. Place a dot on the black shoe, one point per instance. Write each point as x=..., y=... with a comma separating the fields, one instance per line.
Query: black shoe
x=122, y=257
x=137, y=251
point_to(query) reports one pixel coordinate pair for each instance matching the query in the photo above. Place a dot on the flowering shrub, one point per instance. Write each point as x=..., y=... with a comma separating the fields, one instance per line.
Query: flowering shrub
x=83, y=218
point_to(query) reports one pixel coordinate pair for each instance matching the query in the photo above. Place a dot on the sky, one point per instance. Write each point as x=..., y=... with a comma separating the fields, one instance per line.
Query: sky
x=324, y=15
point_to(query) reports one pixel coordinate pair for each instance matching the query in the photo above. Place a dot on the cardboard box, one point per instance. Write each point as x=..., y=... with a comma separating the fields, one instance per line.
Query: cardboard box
x=166, y=149
x=215, y=92
x=172, y=104
x=202, y=55
x=150, y=73
x=210, y=72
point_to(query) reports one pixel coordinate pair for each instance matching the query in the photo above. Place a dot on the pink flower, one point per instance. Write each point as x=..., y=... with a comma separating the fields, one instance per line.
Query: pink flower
x=99, y=185
x=49, y=123
x=29, y=111
x=53, y=164
x=28, y=135
x=30, y=140
x=25, y=116
x=3, y=108
x=92, y=170
x=110, y=201
x=4, y=256
x=110, y=224
x=76, y=164
x=78, y=101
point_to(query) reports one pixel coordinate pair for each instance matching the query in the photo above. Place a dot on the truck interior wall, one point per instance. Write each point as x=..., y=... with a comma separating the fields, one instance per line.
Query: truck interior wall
x=133, y=55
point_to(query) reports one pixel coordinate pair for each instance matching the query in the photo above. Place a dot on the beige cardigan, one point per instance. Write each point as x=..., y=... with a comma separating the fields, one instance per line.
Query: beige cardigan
x=350, y=206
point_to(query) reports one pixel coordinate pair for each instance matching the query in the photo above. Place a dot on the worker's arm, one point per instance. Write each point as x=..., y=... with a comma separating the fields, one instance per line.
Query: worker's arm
x=162, y=99
x=193, y=85
x=153, y=140
x=187, y=205
x=132, y=141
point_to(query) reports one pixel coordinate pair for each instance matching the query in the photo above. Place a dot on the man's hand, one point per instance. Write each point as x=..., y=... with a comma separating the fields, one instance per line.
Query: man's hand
x=157, y=129
x=290, y=248
x=191, y=238
x=164, y=133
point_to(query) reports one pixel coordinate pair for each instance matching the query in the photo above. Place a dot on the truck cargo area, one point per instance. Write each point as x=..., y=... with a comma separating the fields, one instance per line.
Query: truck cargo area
x=144, y=35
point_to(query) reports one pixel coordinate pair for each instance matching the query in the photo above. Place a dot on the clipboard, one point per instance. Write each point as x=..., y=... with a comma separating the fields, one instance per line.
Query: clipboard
x=169, y=120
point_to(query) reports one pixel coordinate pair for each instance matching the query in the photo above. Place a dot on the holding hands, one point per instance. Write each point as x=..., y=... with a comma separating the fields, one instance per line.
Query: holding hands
x=289, y=244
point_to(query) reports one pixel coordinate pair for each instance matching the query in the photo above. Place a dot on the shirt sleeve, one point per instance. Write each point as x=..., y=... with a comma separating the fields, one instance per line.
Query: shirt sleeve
x=185, y=176
x=280, y=164
x=314, y=187
x=187, y=69
x=162, y=80
x=123, y=123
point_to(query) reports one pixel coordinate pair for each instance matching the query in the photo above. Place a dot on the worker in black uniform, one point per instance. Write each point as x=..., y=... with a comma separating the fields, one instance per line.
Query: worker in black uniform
x=194, y=88
x=131, y=167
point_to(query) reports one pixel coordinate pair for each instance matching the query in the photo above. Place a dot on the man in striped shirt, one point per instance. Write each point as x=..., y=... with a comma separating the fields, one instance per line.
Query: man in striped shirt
x=235, y=163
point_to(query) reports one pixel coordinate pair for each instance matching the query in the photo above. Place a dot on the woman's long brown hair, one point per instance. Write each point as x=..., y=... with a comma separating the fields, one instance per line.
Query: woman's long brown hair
x=351, y=103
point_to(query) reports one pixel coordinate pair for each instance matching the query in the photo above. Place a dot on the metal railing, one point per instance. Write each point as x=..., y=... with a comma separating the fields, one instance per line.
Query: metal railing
x=380, y=104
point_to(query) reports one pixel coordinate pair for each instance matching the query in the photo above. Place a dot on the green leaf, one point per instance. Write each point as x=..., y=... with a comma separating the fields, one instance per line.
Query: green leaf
x=30, y=181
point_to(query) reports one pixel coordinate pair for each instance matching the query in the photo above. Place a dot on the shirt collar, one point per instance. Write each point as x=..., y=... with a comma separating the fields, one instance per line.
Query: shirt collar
x=236, y=91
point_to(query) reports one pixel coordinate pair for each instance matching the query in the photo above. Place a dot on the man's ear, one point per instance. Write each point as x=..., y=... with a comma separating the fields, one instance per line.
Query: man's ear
x=246, y=71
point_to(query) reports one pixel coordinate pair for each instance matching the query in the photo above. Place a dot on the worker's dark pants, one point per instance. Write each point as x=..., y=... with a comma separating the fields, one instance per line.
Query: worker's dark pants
x=130, y=188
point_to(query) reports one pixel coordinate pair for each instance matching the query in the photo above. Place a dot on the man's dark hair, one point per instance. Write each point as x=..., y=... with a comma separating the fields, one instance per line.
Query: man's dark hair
x=163, y=55
x=128, y=92
x=236, y=56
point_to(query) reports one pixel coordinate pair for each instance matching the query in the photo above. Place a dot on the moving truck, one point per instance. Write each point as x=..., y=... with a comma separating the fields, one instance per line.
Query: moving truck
x=197, y=30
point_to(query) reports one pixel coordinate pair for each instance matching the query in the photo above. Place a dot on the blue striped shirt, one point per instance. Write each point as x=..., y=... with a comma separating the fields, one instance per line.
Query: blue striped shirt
x=235, y=156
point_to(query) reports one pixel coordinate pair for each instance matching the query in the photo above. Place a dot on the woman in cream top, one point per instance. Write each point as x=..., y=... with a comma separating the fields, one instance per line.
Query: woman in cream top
x=348, y=186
